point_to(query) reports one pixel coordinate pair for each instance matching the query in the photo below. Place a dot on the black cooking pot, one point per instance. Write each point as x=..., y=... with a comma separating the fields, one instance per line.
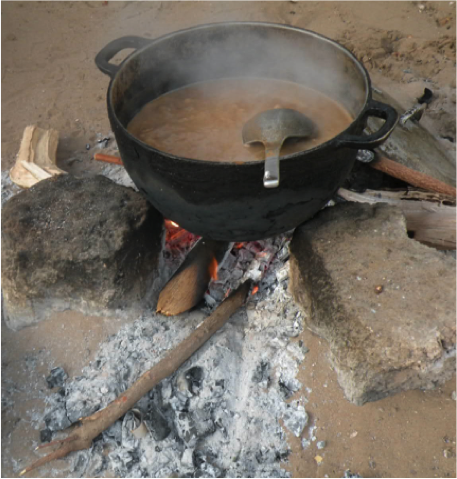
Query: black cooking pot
x=227, y=201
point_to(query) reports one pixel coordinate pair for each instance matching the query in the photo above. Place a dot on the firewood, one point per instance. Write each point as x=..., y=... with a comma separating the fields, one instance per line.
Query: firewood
x=188, y=285
x=430, y=222
x=108, y=158
x=413, y=146
x=36, y=159
x=413, y=177
x=90, y=427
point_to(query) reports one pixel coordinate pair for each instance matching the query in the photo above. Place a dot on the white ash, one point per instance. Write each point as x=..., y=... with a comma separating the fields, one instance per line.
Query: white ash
x=9, y=189
x=217, y=416
x=119, y=175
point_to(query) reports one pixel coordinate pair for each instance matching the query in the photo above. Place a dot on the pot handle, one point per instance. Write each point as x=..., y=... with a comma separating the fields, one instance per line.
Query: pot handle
x=368, y=142
x=105, y=54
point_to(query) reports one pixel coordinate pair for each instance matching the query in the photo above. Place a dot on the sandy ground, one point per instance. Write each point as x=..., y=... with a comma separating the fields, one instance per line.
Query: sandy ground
x=49, y=78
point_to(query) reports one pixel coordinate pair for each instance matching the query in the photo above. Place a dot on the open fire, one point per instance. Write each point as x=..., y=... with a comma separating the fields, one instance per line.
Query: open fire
x=262, y=262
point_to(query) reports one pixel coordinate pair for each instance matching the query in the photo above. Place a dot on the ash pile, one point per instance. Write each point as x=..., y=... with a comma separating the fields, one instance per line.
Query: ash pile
x=219, y=415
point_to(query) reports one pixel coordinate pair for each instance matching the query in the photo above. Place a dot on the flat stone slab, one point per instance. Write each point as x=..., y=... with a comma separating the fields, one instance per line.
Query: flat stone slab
x=384, y=302
x=84, y=244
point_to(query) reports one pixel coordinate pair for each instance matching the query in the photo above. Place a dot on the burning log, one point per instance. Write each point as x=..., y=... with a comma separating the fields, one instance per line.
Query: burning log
x=188, y=285
x=115, y=160
x=90, y=427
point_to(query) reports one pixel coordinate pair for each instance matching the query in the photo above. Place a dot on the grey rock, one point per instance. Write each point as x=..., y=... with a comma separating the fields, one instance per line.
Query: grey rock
x=380, y=343
x=85, y=244
x=321, y=444
x=295, y=419
x=447, y=453
x=305, y=443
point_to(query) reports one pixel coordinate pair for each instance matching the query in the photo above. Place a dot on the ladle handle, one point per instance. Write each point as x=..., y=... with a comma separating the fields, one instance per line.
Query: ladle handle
x=368, y=142
x=271, y=175
x=109, y=51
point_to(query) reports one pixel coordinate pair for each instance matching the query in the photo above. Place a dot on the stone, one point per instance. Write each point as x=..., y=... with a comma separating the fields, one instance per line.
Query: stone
x=305, y=443
x=381, y=342
x=295, y=419
x=321, y=444
x=84, y=244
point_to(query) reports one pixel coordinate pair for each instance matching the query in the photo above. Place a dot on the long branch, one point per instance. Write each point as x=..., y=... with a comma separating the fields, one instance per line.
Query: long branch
x=93, y=425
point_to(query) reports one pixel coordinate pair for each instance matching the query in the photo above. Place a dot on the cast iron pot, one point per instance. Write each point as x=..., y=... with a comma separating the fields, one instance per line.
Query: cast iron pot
x=227, y=201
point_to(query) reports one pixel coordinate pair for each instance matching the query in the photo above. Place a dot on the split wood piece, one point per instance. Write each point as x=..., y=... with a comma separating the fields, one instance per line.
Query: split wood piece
x=91, y=426
x=108, y=158
x=36, y=159
x=429, y=222
x=413, y=146
x=188, y=285
x=413, y=177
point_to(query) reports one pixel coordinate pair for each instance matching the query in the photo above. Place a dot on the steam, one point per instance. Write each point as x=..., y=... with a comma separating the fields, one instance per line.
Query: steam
x=247, y=49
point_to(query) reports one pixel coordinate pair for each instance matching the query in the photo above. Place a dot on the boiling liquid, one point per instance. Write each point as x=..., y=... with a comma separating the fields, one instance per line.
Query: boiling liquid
x=204, y=121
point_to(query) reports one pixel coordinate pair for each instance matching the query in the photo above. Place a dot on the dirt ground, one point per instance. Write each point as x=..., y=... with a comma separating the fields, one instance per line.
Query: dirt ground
x=49, y=79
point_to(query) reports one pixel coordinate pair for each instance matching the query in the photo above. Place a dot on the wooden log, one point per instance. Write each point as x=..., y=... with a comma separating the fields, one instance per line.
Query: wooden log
x=414, y=146
x=413, y=177
x=430, y=222
x=188, y=285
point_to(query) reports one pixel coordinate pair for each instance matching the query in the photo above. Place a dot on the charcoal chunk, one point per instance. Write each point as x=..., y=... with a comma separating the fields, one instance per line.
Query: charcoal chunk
x=157, y=423
x=194, y=377
x=45, y=435
x=57, y=378
x=57, y=420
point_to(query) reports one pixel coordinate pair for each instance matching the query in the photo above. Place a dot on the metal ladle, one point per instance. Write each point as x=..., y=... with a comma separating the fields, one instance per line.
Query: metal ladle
x=272, y=128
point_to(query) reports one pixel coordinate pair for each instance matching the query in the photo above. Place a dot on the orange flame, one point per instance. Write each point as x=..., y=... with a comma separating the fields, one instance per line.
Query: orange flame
x=254, y=290
x=238, y=245
x=213, y=269
x=171, y=223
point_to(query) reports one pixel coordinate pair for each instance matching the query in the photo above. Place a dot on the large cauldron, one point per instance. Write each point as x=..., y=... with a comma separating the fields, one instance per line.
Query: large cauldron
x=227, y=201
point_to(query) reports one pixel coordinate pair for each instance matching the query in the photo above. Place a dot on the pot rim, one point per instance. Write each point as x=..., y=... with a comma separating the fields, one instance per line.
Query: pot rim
x=292, y=156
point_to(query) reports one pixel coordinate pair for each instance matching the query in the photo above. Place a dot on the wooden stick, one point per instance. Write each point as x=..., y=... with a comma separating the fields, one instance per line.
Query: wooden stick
x=411, y=176
x=108, y=158
x=93, y=425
